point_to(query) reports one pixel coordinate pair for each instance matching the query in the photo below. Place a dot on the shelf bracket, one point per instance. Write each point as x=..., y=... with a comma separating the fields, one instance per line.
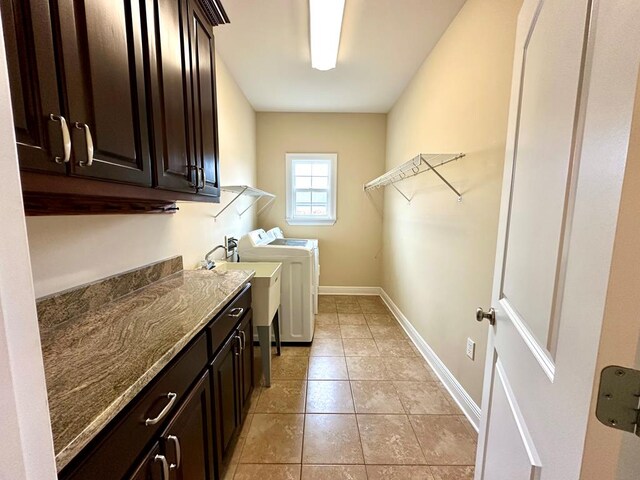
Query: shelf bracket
x=215, y=217
x=264, y=207
x=252, y=204
x=441, y=177
x=400, y=192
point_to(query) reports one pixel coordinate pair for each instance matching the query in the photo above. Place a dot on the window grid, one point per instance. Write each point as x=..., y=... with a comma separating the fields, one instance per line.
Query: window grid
x=311, y=188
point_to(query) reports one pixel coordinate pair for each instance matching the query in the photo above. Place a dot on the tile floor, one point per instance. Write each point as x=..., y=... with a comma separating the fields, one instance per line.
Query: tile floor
x=359, y=404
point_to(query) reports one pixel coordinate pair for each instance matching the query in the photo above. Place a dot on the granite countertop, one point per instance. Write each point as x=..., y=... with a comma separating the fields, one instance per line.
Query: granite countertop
x=100, y=355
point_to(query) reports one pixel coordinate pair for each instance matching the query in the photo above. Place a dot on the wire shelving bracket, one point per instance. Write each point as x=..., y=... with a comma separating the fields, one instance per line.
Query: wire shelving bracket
x=248, y=191
x=422, y=163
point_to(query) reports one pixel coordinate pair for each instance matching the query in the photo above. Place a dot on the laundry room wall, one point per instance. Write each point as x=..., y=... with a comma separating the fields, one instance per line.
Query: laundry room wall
x=350, y=250
x=439, y=253
x=71, y=250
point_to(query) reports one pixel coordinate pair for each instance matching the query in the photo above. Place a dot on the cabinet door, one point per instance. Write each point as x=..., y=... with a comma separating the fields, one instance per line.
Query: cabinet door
x=102, y=49
x=225, y=376
x=33, y=79
x=204, y=101
x=246, y=360
x=187, y=441
x=171, y=101
x=152, y=467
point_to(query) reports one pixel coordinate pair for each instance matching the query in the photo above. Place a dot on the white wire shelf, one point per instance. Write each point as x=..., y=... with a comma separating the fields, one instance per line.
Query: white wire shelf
x=248, y=191
x=421, y=163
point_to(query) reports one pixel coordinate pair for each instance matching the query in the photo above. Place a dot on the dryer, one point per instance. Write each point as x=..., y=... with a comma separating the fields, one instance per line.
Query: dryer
x=297, y=318
x=279, y=235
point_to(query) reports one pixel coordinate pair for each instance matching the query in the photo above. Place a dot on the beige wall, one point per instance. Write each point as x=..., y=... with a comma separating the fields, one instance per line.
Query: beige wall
x=438, y=253
x=350, y=249
x=68, y=251
x=611, y=454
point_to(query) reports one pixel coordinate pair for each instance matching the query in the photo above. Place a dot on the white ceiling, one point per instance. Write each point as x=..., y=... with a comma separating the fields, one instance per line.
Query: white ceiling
x=266, y=48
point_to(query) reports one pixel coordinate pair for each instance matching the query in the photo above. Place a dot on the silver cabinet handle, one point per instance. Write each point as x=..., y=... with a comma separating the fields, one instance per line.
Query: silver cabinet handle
x=237, y=352
x=204, y=178
x=66, y=138
x=176, y=445
x=89, y=140
x=165, y=466
x=236, y=312
x=172, y=399
x=244, y=339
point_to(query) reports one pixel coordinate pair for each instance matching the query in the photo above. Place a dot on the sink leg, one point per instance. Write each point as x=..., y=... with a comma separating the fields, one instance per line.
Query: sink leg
x=276, y=326
x=264, y=337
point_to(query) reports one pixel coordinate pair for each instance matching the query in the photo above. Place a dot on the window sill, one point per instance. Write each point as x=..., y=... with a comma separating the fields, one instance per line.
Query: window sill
x=310, y=223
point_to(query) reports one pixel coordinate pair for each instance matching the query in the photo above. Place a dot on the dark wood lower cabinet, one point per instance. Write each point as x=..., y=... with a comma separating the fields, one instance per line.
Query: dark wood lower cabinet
x=198, y=404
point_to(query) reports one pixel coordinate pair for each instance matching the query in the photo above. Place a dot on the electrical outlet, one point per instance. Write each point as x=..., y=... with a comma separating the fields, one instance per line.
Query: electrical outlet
x=471, y=349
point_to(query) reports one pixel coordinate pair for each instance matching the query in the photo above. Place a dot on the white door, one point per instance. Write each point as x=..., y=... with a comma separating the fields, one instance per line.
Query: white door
x=575, y=72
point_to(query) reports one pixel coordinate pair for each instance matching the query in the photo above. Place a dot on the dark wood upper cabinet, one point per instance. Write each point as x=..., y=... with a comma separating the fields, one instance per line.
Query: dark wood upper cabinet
x=104, y=79
x=31, y=61
x=204, y=100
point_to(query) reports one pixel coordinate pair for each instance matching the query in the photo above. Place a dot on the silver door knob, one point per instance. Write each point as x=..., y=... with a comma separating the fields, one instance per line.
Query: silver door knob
x=490, y=315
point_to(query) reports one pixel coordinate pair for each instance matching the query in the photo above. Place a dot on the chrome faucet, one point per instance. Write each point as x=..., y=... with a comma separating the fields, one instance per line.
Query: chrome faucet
x=209, y=263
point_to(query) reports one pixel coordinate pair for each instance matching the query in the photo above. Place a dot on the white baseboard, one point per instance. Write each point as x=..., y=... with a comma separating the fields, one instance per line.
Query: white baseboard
x=324, y=290
x=459, y=394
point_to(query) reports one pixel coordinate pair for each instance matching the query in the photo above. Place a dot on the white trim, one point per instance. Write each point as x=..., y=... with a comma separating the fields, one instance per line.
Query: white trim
x=339, y=290
x=455, y=389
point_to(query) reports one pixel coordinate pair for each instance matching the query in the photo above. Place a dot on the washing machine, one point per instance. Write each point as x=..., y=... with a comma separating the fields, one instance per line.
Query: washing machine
x=297, y=313
x=280, y=238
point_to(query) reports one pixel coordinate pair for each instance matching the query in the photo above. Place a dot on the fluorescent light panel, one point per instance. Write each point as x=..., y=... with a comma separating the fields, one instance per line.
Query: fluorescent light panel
x=325, y=25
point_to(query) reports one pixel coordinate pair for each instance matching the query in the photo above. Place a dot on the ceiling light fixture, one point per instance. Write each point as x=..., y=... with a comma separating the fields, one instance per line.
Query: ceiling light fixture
x=325, y=25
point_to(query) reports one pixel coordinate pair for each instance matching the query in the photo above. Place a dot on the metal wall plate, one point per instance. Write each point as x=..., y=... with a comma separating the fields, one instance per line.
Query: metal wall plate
x=619, y=399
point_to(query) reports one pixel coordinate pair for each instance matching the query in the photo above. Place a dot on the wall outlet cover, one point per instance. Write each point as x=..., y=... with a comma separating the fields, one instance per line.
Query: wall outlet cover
x=471, y=349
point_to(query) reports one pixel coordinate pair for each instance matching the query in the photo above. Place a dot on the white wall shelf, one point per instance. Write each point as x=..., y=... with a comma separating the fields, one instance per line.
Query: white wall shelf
x=248, y=191
x=422, y=163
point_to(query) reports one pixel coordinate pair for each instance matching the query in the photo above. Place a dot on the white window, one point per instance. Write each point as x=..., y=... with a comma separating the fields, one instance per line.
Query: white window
x=311, y=188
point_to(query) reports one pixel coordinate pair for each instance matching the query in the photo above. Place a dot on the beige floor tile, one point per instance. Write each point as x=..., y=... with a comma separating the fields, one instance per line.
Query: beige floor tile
x=327, y=331
x=289, y=368
x=327, y=318
x=331, y=439
x=366, y=368
x=360, y=347
x=444, y=439
x=274, y=439
x=345, y=299
x=395, y=348
x=295, y=351
x=255, y=395
x=327, y=347
x=334, y=472
x=328, y=396
x=424, y=398
x=379, y=319
x=229, y=471
x=408, y=368
x=351, y=319
x=449, y=398
x=375, y=397
x=327, y=368
x=284, y=396
x=374, y=308
x=267, y=472
x=389, y=440
x=355, y=331
x=236, y=449
x=326, y=307
x=452, y=473
x=370, y=299
x=348, y=308
x=398, y=472
x=387, y=332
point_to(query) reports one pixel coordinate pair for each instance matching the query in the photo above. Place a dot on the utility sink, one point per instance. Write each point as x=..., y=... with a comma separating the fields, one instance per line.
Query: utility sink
x=265, y=288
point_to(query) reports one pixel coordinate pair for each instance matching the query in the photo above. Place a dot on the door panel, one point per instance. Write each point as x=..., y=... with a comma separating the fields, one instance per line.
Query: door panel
x=541, y=184
x=204, y=100
x=568, y=131
x=224, y=371
x=170, y=75
x=187, y=441
x=33, y=78
x=105, y=88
